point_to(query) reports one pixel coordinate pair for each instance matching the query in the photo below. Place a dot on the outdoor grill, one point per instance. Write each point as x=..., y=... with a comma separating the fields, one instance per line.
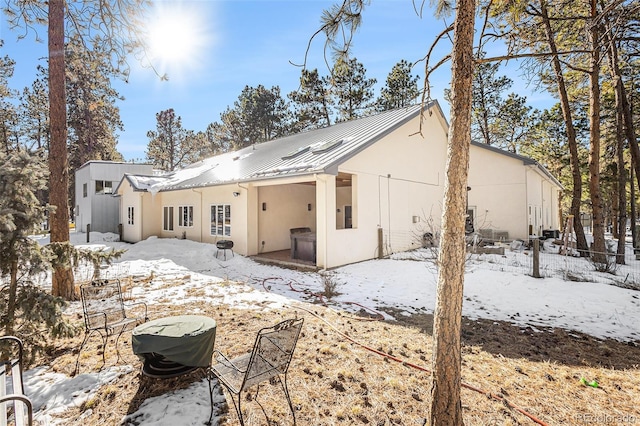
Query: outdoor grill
x=303, y=244
x=224, y=245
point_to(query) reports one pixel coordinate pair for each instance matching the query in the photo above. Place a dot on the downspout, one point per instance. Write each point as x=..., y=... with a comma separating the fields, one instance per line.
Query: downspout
x=526, y=201
x=544, y=205
x=201, y=211
x=542, y=212
x=389, y=209
x=379, y=202
x=141, y=216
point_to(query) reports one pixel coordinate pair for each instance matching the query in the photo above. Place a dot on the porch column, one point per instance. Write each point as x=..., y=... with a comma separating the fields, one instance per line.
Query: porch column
x=251, y=207
x=325, y=219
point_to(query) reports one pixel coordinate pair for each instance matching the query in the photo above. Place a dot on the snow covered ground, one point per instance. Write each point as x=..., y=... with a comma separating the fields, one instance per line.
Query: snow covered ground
x=598, y=309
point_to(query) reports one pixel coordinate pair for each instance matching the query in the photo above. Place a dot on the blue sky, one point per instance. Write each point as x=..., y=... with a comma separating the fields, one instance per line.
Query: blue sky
x=250, y=42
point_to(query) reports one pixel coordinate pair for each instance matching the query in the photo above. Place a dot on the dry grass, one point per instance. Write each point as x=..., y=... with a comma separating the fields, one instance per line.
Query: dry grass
x=336, y=381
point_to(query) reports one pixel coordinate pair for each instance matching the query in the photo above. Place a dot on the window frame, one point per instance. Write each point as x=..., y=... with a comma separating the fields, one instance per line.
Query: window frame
x=220, y=220
x=167, y=218
x=185, y=216
x=103, y=187
x=130, y=215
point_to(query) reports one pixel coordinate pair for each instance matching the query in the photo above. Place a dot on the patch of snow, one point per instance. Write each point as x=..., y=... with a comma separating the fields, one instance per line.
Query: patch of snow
x=407, y=282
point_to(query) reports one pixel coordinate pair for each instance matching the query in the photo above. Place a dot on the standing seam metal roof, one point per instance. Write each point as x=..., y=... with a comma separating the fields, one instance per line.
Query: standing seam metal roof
x=294, y=155
x=273, y=159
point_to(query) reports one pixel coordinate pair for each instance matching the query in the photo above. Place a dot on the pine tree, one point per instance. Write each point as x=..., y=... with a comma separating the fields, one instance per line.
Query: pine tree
x=258, y=115
x=352, y=90
x=8, y=113
x=93, y=118
x=401, y=88
x=20, y=216
x=446, y=406
x=487, y=98
x=172, y=146
x=25, y=308
x=118, y=22
x=264, y=112
x=62, y=279
x=513, y=123
x=34, y=114
x=312, y=101
x=215, y=145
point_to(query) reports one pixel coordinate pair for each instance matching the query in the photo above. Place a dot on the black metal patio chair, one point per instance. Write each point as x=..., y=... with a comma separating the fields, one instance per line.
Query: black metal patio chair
x=269, y=358
x=104, y=313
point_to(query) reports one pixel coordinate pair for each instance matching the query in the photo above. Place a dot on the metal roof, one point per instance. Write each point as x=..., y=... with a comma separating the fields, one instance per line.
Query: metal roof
x=314, y=151
x=306, y=153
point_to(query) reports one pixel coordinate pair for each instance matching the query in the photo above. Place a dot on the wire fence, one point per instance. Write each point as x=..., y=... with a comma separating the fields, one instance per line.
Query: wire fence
x=519, y=259
x=86, y=272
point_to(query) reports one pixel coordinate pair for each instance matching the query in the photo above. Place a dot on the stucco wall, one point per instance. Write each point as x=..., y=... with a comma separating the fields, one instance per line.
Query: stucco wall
x=129, y=198
x=397, y=186
x=508, y=195
x=286, y=208
x=498, y=192
x=398, y=178
x=201, y=200
x=547, y=199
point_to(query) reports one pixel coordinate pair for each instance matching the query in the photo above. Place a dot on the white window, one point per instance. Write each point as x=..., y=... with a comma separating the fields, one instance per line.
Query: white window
x=221, y=219
x=167, y=219
x=185, y=216
x=84, y=190
x=130, y=215
x=104, y=187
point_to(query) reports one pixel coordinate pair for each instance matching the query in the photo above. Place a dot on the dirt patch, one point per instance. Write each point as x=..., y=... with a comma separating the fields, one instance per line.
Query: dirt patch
x=539, y=344
x=359, y=371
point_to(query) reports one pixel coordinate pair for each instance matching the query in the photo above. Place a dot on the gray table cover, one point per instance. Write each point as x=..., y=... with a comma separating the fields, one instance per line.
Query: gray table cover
x=185, y=339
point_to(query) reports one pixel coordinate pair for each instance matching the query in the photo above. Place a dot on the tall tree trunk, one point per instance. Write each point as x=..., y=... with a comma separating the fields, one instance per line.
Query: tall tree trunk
x=622, y=103
x=446, y=407
x=62, y=280
x=599, y=249
x=629, y=127
x=576, y=196
x=624, y=128
x=634, y=233
x=622, y=191
x=613, y=213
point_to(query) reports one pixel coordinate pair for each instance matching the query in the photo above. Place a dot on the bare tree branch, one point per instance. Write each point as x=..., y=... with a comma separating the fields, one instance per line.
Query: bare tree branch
x=528, y=55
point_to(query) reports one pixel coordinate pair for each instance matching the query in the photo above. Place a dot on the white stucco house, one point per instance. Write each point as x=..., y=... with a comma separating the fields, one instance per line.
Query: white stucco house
x=360, y=188
x=95, y=182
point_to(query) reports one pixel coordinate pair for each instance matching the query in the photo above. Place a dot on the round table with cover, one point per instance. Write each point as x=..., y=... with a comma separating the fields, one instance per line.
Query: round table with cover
x=171, y=346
